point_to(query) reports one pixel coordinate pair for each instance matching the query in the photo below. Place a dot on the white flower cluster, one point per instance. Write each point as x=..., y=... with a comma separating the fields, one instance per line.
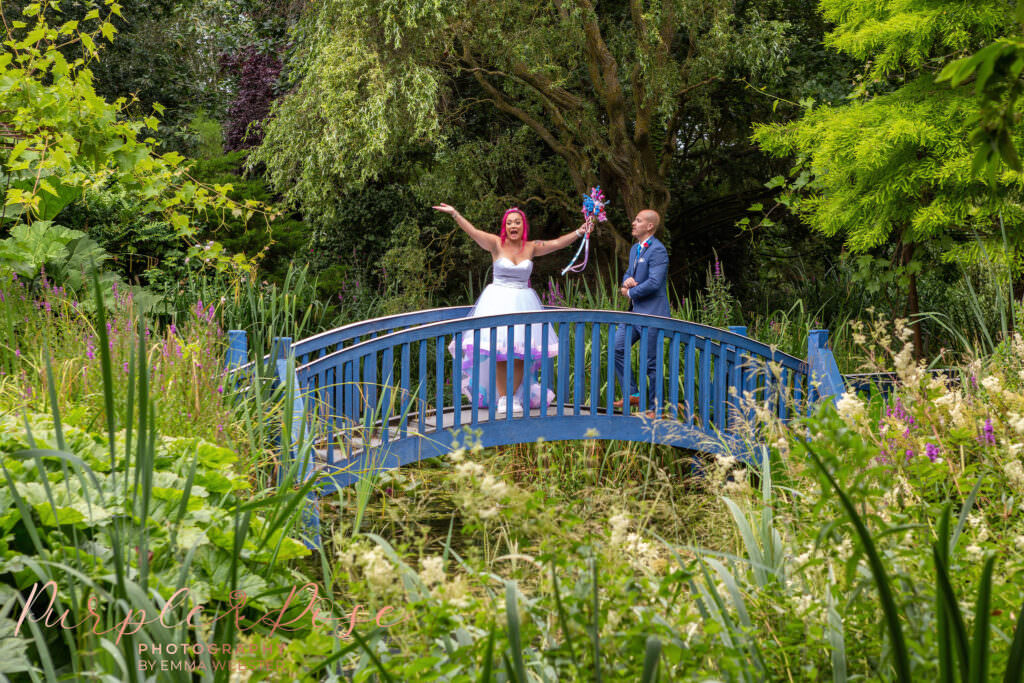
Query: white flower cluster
x=642, y=555
x=850, y=408
x=486, y=494
x=1015, y=473
x=377, y=569
x=432, y=574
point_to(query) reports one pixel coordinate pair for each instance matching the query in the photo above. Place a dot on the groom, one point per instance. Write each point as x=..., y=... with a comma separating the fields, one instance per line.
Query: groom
x=644, y=286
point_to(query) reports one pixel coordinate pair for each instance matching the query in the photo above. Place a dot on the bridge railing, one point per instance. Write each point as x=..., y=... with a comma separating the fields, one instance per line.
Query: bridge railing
x=324, y=343
x=407, y=384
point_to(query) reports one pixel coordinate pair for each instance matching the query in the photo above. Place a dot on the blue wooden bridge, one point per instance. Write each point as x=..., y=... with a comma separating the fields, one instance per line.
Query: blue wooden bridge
x=383, y=393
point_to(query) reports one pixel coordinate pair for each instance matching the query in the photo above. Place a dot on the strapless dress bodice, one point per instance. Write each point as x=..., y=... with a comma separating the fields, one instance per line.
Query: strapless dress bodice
x=514, y=275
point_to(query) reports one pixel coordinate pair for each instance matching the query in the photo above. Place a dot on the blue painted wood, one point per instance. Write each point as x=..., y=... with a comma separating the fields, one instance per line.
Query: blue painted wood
x=492, y=374
x=698, y=376
x=609, y=354
x=642, y=380
x=238, y=349
x=689, y=376
x=627, y=403
x=457, y=379
x=578, y=368
x=826, y=380
x=527, y=372
x=439, y=371
x=674, y=380
x=510, y=338
x=475, y=380
x=659, y=368
x=421, y=410
x=705, y=385
x=404, y=391
x=547, y=366
x=563, y=369
x=595, y=365
x=721, y=387
x=295, y=396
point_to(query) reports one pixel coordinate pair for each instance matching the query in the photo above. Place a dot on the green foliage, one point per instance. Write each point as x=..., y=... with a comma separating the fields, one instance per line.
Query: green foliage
x=274, y=245
x=142, y=244
x=608, y=93
x=66, y=139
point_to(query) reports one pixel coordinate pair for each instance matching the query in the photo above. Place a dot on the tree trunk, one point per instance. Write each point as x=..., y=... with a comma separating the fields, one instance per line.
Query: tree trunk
x=913, y=306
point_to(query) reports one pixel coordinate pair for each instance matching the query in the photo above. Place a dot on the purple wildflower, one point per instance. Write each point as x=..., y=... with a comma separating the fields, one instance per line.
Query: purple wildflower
x=932, y=451
x=90, y=351
x=718, y=269
x=910, y=454
x=989, y=433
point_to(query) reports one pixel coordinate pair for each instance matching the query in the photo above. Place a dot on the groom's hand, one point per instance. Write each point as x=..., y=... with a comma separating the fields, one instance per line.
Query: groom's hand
x=624, y=291
x=629, y=283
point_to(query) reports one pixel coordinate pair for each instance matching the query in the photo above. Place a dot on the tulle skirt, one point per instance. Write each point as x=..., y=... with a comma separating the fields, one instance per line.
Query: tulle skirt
x=496, y=300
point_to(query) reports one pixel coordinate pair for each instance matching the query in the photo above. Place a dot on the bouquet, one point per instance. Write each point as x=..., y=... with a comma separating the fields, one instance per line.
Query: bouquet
x=593, y=210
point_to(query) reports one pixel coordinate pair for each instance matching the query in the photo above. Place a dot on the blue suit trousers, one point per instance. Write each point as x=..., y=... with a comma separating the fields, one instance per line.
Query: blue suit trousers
x=622, y=350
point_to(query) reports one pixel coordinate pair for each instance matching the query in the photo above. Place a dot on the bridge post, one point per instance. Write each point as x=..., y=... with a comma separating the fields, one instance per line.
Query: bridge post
x=288, y=378
x=238, y=349
x=825, y=380
x=739, y=376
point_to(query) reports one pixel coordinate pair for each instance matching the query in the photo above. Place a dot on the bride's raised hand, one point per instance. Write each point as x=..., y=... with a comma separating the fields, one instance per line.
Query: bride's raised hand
x=444, y=208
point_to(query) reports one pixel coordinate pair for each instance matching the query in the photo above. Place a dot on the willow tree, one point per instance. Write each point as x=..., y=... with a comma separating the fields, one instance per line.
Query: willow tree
x=614, y=91
x=892, y=169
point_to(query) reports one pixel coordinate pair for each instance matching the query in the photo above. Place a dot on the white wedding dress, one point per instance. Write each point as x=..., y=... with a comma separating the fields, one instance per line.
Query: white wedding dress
x=510, y=292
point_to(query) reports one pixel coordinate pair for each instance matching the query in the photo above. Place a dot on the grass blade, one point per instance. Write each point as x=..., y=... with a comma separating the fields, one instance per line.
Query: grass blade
x=514, y=635
x=979, y=649
x=485, y=672
x=901, y=658
x=1015, y=665
x=651, y=656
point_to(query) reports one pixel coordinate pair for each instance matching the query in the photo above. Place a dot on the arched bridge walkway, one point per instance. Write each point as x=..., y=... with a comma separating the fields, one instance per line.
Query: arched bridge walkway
x=383, y=393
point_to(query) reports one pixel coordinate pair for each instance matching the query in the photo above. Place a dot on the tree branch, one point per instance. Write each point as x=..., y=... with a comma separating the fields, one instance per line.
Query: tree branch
x=502, y=103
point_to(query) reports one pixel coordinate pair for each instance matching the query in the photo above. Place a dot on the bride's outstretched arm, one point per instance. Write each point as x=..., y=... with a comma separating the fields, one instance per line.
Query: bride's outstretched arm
x=541, y=247
x=486, y=240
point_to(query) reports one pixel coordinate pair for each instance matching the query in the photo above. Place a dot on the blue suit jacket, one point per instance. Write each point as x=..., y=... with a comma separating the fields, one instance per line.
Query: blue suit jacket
x=650, y=270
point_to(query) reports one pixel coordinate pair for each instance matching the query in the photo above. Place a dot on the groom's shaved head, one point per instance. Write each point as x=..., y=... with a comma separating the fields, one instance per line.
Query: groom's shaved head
x=651, y=216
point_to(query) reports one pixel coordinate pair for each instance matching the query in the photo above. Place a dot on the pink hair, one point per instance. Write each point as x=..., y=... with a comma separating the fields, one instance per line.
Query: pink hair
x=526, y=225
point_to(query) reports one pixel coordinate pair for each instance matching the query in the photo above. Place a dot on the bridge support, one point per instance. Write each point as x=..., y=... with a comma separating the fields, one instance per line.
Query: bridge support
x=826, y=380
x=299, y=445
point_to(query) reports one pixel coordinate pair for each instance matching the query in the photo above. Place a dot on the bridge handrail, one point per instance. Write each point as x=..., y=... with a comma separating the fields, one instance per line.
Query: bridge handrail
x=561, y=315
x=340, y=335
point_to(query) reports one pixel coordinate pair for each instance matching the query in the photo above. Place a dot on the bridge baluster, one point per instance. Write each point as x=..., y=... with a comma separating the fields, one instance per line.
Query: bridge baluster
x=421, y=405
x=545, y=371
x=510, y=340
x=659, y=372
x=457, y=383
x=609, y=354
x=642, y=380
x=705, y=387
x=387, y=393
x=474, y=408
x=527, y=371
x=578, y=365
x=689, y=377
x=403, y=419
x=673, y=371
x=327, y=398
x=595, y=365
x=492, y=374
x=720, y=382
x=627, y=367
x=563, y=369
x=439, y=374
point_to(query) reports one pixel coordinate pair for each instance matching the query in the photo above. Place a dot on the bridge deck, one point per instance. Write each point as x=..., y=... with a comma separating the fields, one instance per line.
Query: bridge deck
x=353, y=443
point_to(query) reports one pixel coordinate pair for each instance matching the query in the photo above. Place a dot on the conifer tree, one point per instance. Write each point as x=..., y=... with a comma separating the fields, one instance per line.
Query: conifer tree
x=893, y=168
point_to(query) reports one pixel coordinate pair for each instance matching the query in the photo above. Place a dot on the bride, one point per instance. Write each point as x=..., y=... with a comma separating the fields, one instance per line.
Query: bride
x=513, y=255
